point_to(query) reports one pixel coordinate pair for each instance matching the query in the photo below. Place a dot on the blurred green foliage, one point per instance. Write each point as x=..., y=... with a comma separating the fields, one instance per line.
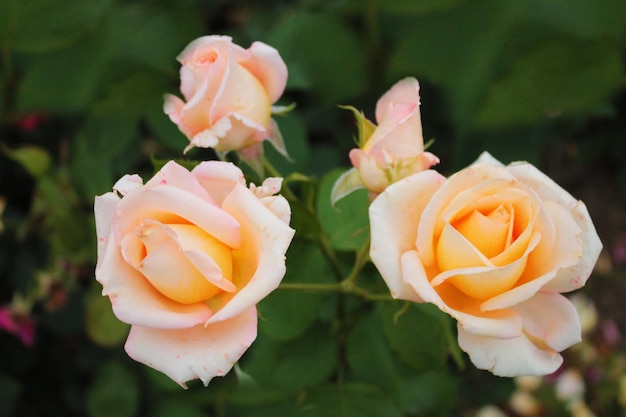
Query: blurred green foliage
x=81, y=91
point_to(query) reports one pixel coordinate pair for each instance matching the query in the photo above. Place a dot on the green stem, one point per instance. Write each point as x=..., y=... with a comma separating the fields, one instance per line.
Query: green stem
x=343, y=287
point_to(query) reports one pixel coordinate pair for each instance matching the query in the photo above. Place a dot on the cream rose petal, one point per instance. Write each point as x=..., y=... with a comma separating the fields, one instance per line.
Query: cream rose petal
x=406, y=90
x=136, y=301
x=148, y=203
x=394, y=216
x=576, y=276
x=175, y=175
x=273, y=238
x=508, y=357
x=551, y=318
x=198, y=352
x=104, y=210
x=505, y=323
x=218, y=178
x=550, y=321
x=269, y=68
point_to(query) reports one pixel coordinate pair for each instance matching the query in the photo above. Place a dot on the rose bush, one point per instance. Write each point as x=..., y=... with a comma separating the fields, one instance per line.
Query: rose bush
x=493, y=246
x=392, y=150
x=228, y=92
x=185, y=258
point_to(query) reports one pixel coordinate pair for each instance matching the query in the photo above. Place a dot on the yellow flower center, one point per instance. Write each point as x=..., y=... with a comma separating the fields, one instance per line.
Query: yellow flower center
x=172, y=272
x=490, y=233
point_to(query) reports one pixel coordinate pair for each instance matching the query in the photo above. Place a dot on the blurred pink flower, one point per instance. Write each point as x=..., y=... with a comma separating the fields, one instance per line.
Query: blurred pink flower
x=17, y=324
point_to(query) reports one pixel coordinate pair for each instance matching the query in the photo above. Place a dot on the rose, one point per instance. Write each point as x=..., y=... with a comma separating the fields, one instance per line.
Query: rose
x=228, y=92
x=392, y=150
x=185, y=258
x=493, y=246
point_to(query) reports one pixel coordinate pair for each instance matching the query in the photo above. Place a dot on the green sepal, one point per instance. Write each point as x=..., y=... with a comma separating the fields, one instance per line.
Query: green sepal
x=348, y=182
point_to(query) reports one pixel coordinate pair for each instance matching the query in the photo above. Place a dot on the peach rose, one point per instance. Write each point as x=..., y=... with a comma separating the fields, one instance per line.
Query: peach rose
x=392, y=150
x=493, y=246
x=228, y=92
x=184, y=260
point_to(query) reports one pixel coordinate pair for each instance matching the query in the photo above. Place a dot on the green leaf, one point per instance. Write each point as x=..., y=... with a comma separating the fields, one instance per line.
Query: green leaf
x=448, y=50
x=102, y=327
x=65, y=81
x=9, y=392
x=416, y=6
x=113, y=393
x=45, y=25
x=583, y=18
x=104, y=149
x=323, y=55
x=35, y=160
x=283, y=408
x=428, y=393
x=293, y=130
x=560, y=77
x=177, y=408
x=418, y=335
x=349, y=400
x=346, y=224
x=152, y=35
x=282, y=369
x=285, y=314
x=369, y=354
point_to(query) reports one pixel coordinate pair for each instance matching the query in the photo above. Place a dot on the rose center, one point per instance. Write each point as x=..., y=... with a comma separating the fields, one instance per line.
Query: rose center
x=181, y=261
x=492, y=232
x=207, y=57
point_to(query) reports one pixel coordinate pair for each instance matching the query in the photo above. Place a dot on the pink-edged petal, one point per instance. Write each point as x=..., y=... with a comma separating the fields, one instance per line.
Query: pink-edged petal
x=104, y=211
x=269, y=68
x=187, y=55
x=402, y=121
x=552, y=320
x=503, y=323
x=544, y=186
x=486, y=158
x=269, y=237
x=135, y=301
x=243, y=132
x=177, y=176
x=128, y=183
x=210, y=137
x=173, y=107
x=218, y=178
x=279, y=206
x=406, y=90
x=197, y=352
x=151, y=203
x=508, y=357
x=394, y=218
x=253, y=156
x=576, y=276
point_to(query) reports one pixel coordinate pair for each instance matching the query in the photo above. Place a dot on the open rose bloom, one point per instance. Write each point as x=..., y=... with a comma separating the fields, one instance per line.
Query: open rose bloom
x=228, y=95
x=494, y=246
x=184, y=260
